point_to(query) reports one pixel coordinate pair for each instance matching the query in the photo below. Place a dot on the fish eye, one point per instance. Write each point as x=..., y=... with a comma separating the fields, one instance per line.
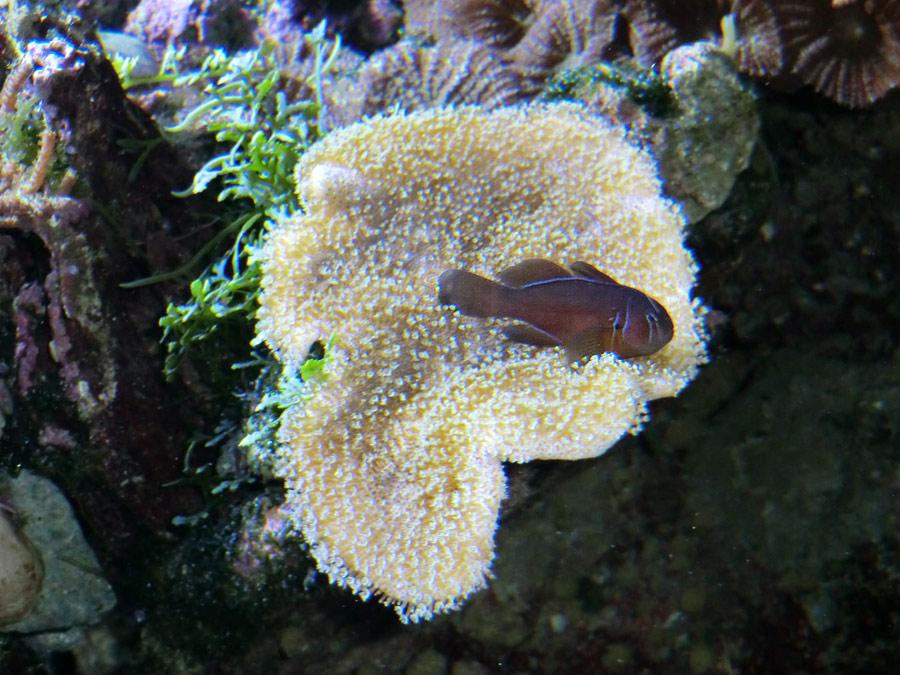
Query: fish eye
x=652, y=318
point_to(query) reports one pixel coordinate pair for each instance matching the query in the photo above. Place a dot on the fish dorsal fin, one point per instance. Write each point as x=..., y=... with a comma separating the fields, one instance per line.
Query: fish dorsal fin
x=532, y=270
x=582, y=269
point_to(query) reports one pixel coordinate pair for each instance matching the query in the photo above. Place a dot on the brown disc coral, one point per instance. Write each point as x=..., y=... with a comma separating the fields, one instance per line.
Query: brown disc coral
x=498, y=23
x=570, y=32
x=537, y=36
x=656, y=27
x=758, y=49
x=847, y=50
x=414, y=76
x=393, y=460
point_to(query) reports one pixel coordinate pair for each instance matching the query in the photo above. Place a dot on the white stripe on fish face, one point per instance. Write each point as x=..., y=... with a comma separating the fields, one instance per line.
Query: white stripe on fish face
x=653, y=324
x=654, y=318
x=627, y=315
x=616, y=327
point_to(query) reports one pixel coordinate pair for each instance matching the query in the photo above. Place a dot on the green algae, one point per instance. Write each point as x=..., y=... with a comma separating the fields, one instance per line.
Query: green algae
x=242, y=101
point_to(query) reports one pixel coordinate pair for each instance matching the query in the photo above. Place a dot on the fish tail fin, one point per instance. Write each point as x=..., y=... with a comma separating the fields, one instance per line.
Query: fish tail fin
x=473, y=295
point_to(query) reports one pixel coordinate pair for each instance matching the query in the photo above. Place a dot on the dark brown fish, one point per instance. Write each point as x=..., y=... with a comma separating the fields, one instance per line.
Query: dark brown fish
x=580, y=308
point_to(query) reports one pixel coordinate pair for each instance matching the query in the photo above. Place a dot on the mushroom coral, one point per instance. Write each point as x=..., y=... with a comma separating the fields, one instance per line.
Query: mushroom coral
x=392, y=460
x=847, y=50
x=413, y=76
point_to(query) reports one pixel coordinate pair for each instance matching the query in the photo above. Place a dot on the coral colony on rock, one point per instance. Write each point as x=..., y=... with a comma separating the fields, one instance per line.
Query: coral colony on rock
x=393, y=459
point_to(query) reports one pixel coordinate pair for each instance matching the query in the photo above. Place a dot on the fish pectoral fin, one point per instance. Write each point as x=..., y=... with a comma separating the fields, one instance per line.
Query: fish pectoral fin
x=587, y=343
x=529, y=335
x=583, y=269
x=532, y=270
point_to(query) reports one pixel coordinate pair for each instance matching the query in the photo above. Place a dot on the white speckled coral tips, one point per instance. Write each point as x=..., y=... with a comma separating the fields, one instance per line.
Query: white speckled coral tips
x=394, y=462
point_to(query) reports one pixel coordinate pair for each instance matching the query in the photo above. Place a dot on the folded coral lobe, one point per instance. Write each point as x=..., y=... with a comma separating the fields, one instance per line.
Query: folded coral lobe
x=393, y=462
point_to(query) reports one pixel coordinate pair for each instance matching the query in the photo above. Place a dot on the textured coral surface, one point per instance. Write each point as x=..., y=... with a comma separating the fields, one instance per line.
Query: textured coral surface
x=393, y=466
